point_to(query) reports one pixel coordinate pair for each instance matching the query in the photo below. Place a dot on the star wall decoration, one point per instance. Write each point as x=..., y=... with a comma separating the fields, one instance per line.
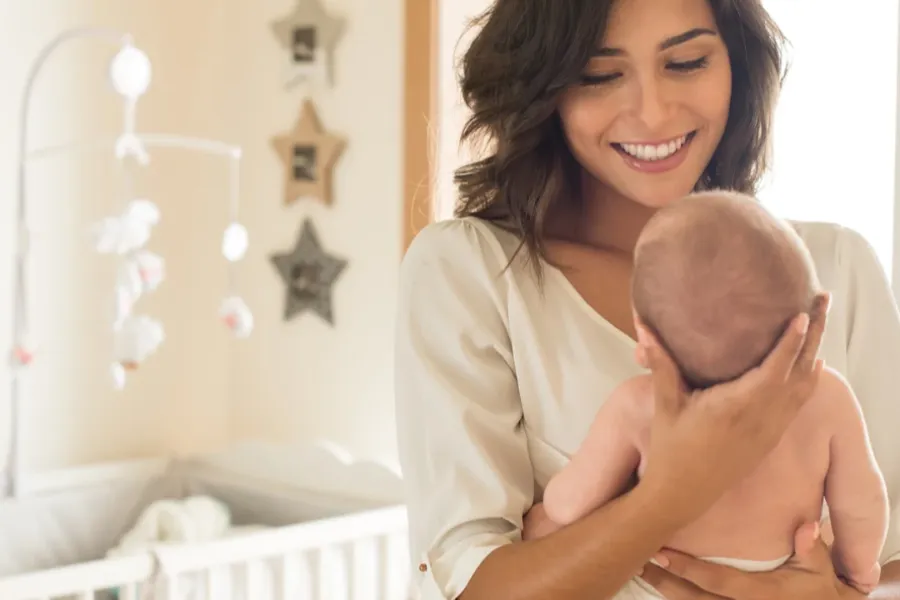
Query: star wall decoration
x=309, y=154
x=309, y=274
x=309, y=36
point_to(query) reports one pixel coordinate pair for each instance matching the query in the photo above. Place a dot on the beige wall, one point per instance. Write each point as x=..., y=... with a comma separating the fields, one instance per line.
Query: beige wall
x=453, y=38
x=304, y=378
x=217, y=74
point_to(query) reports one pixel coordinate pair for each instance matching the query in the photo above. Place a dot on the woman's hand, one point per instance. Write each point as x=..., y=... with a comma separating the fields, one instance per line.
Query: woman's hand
x=808, y=575
x=703, y=442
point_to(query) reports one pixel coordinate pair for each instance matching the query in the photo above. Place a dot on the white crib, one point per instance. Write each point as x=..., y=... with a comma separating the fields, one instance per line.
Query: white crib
x=335, y=530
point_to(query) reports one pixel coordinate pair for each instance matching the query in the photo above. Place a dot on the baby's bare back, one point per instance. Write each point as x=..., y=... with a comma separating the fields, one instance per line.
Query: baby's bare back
x=757, y=519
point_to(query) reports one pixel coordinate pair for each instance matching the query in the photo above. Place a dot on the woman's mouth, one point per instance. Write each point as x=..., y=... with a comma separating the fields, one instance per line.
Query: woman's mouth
x=656, y=157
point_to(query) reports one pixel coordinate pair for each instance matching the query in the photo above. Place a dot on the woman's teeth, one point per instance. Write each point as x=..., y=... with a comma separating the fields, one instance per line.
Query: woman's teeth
x=658, y=152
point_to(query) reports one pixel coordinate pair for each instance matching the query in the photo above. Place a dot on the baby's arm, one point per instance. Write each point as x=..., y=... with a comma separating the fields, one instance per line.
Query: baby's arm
x=602, y=467
x=854, y=490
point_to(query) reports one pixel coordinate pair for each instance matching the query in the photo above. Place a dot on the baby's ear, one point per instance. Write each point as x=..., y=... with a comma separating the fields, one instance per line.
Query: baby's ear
x=640, y=353
x=636, y=319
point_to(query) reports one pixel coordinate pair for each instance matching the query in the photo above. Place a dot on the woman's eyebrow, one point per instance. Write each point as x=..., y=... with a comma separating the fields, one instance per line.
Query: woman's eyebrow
x=675, y=40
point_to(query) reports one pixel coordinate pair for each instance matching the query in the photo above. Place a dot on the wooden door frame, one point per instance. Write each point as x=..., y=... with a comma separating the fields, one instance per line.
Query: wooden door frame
x=420, y=113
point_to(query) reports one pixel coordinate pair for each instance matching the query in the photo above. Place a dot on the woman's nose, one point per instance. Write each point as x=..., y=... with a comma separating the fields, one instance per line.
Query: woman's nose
x=650, y=104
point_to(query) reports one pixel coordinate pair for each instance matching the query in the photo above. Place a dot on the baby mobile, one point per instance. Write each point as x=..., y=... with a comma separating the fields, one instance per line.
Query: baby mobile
x=125, y=235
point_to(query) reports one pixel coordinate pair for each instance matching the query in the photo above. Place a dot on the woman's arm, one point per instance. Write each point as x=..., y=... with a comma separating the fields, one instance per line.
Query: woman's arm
x=594, y=557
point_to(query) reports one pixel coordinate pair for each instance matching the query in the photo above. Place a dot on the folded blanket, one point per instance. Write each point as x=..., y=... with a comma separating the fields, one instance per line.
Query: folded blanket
x=193, y=519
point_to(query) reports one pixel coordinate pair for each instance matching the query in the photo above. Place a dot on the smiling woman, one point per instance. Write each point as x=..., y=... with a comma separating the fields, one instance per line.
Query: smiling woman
x=678, y=88
x=687, y=100
x=515, y=323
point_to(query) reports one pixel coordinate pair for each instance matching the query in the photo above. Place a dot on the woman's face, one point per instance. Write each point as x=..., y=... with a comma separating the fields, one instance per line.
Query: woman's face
x=653, y=101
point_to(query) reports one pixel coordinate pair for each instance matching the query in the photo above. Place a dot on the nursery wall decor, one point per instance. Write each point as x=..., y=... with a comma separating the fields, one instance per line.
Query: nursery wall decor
x=124, y=235
x=309, y=154
x=309, y=36
x=309, y=274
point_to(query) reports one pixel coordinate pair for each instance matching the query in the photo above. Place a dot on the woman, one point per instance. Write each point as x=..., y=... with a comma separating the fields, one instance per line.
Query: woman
x=503, y=357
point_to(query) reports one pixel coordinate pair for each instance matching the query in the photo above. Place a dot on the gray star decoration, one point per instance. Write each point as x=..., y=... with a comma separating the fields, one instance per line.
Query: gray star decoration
x=309, y=34
x=309, y=274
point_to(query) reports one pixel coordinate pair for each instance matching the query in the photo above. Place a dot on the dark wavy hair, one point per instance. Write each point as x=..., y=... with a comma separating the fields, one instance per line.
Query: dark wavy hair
x=528, y=52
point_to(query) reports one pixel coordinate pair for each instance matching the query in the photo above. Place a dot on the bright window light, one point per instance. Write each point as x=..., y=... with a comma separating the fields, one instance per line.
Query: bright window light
x=835, y=131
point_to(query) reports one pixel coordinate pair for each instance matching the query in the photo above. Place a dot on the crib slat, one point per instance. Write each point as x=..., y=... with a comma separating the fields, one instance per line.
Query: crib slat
x=296, y=577
x=396, y=575
x=365, y=569
x=129, y=591
x=288, y=579
x=217, y=582
x=170, y=589
x=253, y=579
x=332, y=574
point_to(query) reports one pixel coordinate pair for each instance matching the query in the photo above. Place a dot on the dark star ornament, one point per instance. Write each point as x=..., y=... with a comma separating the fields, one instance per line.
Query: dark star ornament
x=309, y=274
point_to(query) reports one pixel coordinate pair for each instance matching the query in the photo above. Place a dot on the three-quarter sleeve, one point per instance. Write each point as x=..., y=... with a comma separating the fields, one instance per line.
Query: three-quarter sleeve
x=873, y=364
x=462, y=450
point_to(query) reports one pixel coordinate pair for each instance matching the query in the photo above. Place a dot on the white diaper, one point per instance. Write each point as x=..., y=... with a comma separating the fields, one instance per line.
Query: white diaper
x=638, y=589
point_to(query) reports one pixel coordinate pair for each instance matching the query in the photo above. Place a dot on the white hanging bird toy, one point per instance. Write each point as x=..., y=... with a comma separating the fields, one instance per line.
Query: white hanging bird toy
x=126, y=235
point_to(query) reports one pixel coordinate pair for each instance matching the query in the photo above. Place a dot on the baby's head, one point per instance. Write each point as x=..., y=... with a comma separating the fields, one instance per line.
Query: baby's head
x=717, y=278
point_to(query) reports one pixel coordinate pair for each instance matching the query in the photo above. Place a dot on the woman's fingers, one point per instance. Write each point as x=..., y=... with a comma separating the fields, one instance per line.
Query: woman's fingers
x=719, y=580
x=668, y=385
x=779, y=364
x=673, y=587
x=817, y=318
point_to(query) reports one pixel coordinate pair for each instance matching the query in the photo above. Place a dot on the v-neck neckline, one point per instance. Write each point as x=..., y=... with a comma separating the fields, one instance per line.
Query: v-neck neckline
x=585, y=307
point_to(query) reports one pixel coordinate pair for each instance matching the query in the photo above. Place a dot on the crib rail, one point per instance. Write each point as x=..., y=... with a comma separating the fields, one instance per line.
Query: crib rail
x=354, y=557
x=79, y=581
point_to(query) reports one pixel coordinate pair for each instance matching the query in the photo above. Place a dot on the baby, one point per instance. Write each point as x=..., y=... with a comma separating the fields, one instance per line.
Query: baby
x=717, y=279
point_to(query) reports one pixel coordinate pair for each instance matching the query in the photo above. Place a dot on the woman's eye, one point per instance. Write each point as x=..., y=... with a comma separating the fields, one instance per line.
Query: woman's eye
x=599, y=79
x=689, y=65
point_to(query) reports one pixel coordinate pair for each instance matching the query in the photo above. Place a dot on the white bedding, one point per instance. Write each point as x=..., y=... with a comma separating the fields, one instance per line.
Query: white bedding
x=74, y=525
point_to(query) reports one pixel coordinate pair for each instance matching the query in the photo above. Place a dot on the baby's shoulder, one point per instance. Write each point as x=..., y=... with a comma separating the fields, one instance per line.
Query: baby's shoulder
x=833, y=400
x=832, y=407
x=634, y=399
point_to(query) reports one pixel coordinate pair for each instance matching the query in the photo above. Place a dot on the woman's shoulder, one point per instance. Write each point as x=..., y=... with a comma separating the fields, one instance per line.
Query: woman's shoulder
x=841, y=254
x=831, y=242
x=468, y=242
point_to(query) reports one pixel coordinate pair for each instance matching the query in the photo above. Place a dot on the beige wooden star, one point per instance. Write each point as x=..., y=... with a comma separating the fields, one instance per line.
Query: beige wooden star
x=309, y=154
x=310, y=35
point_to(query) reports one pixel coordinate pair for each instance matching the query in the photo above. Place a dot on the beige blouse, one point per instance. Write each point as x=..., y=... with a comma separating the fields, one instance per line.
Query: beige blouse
x=498, y=380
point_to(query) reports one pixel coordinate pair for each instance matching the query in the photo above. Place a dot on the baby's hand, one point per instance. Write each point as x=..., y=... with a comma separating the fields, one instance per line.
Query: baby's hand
x=537, y=524
x=865, y=584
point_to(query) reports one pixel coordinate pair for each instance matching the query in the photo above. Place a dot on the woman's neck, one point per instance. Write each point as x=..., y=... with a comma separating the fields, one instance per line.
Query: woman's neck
x=605, y=219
